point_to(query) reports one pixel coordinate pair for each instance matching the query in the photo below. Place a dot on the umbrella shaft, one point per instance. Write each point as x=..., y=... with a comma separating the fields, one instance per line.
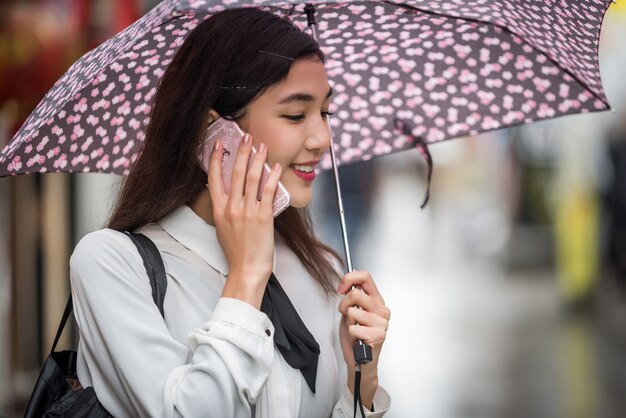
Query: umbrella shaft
x=342, y=218
x=362, y=352
x=310, y=12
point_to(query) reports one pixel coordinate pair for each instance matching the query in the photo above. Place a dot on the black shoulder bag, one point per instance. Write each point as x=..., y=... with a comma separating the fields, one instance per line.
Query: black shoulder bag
x=58, y=393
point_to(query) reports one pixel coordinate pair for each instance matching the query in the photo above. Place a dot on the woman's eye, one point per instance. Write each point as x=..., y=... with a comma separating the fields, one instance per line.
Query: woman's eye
x=295, y=118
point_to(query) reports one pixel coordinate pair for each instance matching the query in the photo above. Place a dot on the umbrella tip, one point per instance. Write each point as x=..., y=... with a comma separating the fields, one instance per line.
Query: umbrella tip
x=309, y=9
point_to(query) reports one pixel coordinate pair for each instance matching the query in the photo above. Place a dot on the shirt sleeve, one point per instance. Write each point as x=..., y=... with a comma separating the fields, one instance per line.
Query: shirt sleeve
x=136, y=367
x=345, y=407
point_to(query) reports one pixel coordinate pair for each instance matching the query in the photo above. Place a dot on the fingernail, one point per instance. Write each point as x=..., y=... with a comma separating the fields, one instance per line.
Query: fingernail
x=262, y=147
x=277, y=167
x=216, y=144
x=246, y=138
x=340, y=288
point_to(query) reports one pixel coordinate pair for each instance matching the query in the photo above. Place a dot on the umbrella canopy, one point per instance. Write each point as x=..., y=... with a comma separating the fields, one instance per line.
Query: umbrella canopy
x=443, y=69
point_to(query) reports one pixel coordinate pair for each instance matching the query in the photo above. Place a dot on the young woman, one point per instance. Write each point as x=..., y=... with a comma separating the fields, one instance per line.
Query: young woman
x=214, y=354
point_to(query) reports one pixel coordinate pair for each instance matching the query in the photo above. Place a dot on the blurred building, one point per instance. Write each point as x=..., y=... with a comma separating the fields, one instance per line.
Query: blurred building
x=39, y=40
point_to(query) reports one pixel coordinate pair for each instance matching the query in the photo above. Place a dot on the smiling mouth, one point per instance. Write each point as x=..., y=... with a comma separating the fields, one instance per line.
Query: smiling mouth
x=304, y=171
x=305, y=168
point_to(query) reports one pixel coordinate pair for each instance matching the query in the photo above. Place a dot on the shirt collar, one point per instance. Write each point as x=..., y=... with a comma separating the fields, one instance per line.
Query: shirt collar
x=186, y=227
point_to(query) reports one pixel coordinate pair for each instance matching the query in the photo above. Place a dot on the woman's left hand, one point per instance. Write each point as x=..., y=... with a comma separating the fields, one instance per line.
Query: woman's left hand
x=372, y=317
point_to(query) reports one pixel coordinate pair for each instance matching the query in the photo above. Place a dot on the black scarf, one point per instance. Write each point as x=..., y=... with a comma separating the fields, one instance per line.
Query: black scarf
x=294, y=341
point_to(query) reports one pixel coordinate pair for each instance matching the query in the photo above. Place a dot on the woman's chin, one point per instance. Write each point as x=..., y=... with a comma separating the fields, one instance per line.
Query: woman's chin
x=299, y=205
x=300, y=200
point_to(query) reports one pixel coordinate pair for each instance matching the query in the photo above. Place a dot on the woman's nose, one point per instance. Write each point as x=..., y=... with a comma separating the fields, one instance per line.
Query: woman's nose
x=319, y=137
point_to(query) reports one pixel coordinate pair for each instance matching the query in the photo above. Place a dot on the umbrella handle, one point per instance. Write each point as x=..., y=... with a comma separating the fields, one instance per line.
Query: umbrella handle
x=362, y=352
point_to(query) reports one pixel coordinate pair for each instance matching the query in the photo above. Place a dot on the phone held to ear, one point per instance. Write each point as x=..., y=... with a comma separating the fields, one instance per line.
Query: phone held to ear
x=230, y=134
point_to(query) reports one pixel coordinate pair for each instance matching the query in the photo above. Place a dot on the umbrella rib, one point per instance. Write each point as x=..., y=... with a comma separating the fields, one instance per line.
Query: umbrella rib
x=184, y=13
x=504, y=28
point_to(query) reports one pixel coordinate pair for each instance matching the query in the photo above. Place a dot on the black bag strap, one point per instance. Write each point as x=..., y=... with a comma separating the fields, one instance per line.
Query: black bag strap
x=153, y=263
x=66, y=314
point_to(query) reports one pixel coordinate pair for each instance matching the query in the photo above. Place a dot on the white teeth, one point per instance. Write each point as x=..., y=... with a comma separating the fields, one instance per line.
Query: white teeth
x=304, y=168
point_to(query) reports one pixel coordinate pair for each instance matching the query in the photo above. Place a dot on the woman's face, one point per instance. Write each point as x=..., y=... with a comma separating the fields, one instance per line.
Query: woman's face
x=290, y=118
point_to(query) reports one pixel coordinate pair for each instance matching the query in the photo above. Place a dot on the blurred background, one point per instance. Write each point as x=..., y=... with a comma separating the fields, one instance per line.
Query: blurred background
x=508, y=291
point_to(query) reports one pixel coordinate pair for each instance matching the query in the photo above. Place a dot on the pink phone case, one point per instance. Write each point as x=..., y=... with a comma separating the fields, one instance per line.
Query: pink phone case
x=231, y=135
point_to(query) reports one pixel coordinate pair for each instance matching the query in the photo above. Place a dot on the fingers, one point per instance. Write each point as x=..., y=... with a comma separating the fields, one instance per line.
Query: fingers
x=365, y=326
x=361, y=279
x=365, y=314
x=358, y=297
x=372, y=336
x=366, y=319
x=255, y=171
x=269, y=190
x=245, y=181
x=238, y=179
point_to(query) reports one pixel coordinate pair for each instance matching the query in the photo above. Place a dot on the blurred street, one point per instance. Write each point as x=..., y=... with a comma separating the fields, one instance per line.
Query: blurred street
x=469, y=339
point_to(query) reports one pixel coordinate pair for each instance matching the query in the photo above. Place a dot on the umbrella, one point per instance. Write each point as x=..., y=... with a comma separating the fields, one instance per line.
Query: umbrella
x=406, y=74
x=434, y=69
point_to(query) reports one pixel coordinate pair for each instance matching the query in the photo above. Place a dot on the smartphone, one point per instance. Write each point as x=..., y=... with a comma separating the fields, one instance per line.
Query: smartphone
x=231, y=135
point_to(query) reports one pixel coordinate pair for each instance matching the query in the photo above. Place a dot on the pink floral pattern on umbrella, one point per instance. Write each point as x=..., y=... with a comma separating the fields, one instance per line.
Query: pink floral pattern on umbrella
x=446, y=68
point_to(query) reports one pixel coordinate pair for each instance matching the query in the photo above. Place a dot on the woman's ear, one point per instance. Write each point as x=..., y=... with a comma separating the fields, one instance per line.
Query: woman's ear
x=213, y=115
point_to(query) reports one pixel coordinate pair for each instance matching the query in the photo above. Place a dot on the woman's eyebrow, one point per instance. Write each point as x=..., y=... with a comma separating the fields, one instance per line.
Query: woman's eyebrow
x=302, y=97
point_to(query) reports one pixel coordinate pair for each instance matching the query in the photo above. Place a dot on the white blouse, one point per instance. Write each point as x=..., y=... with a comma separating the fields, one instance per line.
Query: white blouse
x=211, y=356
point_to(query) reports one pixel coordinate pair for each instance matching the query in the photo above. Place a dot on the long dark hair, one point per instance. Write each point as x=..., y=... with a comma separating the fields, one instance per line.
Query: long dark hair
x=220, y=52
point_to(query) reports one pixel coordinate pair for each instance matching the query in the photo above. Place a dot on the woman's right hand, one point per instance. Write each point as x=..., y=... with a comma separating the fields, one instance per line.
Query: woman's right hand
x=244, y=224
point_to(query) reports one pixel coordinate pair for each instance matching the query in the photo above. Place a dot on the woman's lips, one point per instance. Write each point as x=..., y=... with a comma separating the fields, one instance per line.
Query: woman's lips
x=304, y=175
x=305, y=171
